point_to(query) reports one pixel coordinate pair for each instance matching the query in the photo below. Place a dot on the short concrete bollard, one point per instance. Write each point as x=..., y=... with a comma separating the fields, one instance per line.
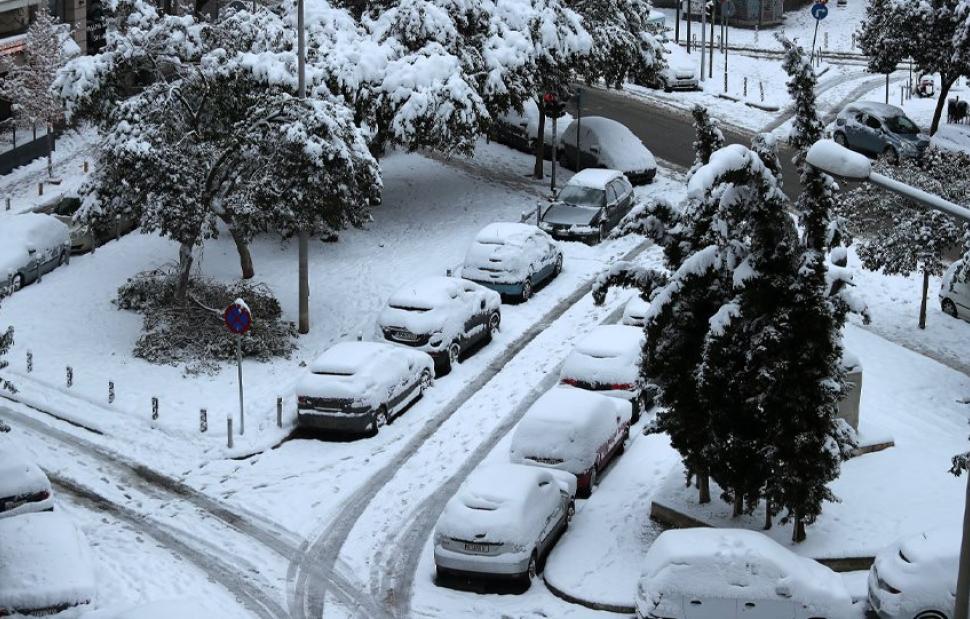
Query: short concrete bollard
x=154, y=408
x=111, y=392
x=229, y=431
x=8, y=203
x=203, y=420
x=40, y=189
x=70, y=377
x=30, y=362
x=279, y=412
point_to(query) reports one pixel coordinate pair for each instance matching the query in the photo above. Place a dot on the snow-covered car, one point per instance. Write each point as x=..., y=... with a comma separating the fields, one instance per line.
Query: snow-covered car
x=877, y=129
x=588, y=206
x=23, y=486
x=443, y=316
x=512, y=259
x=680, y=72
x=30, y=246
x=635, y=311
x=954, y=293
x=45, y=566
x=734, y=573
x=159, y=609
x=607, y=361
x=520, y=131
x=605, y=143
x=572, y=430
x=503, y=521
x=85, y=237
x=916, y=577
x=361, y=386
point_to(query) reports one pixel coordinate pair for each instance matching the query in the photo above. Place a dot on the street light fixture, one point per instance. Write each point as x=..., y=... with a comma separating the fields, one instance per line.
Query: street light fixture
x=839, y=161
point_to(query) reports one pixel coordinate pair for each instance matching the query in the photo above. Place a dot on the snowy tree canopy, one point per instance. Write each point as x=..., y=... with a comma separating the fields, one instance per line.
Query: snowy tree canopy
x=623, y=44
x=934, y=33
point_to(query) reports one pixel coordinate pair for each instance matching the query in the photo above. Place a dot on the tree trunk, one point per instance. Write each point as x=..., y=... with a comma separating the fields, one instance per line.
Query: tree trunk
x=540, y=143
x=922, y=305
x=704, y=488
x=185, y=270
x=738, y=504
x=50, y=150
x=767, y=514
x=798, y=529
x=945, y=84
x=245, y=258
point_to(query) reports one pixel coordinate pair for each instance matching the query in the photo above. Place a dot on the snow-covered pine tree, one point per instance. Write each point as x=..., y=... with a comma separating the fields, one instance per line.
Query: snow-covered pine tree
x=709, y=136
x=27, y=80
x=624, y=47
x=934, y=34
x=6, y=341
x=898, y=238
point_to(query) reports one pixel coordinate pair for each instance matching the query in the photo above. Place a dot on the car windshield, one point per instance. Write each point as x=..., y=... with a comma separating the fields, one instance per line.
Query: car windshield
x=901, y=124
x=581, y=196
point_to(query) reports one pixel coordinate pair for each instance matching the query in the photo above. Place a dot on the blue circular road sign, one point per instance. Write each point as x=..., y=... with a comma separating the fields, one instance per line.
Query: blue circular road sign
x=819, y=11
x=237, y=318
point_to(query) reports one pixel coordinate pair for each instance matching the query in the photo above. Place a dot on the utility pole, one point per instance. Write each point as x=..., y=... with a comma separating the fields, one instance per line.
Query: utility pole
x=304, y=234
x=579, y=128
x=703, y=35
x=690, y=10
x=677, y=24
x=710, y=59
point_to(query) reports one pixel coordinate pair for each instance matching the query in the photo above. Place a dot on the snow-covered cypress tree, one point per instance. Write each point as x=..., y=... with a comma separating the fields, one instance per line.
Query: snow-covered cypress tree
x=900, y=238
x=624, y=47
x=709, y=136
x=27, y=80
x=6, y=341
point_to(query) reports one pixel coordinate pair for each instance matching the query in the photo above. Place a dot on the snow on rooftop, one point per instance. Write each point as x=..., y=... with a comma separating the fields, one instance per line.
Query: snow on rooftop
x=18, y=475
x=44, y=561
x=594, y=178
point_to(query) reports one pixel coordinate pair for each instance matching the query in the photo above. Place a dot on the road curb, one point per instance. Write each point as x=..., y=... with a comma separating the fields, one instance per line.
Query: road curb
x=613, y=608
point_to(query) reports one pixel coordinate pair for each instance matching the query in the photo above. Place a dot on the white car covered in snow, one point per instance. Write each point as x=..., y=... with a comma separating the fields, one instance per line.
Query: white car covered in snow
x=512, y=259
x=45, y=566
x=502, y=522
x=955, y=293
x=680, y=72
x=635, y=311
x=916, y=577
x=23, y=486
x=605, y=143
x=607, y=361
x=32, y=245
x=361, y=386
x=572, y=430
x=443, y=316
x=734, y=573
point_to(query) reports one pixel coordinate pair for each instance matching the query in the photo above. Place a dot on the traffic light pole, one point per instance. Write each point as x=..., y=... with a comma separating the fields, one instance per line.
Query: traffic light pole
x=554, y=153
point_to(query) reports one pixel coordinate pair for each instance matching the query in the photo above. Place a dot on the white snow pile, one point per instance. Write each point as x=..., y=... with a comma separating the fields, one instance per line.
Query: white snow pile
x=161, y=609
x=44, y=562
x=566, y=427
x=838, y=160
x=503, y=247
x=429, y=305
x=529, y=120
x=608, y=355
x=620, y=149
x=506, y=503
x=29, y=231
x=364, y=372
x=19, y=476
x=737, y=563
x=952, y=137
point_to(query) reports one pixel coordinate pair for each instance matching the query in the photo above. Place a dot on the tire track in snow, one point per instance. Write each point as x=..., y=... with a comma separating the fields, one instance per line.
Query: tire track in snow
x=820, y=89
x=323, y=553
x=254, y=527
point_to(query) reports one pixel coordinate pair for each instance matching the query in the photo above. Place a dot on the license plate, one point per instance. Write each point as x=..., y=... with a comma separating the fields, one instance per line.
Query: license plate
x=476, y=547
x=406, y=336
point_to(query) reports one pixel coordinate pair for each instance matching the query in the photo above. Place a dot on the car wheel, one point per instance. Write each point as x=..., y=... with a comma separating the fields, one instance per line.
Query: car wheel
x=593, y=479
x=930, y=614
x=891, y=155
x=949, y=307
x=526, y=290
x=840, y=139
x=494, y=322
x=570, y=512
x=533, y=571
x=380, y=419
x=61, y=259
x=424, y=383
x=604, y=232
x=557, y=269
x=637, y=407
x=17, y=282
x=454, y=351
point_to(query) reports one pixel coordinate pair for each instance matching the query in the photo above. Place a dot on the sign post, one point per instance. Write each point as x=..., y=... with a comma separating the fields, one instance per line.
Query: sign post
x=727, y=11
x=819, y=11
x=239, y=320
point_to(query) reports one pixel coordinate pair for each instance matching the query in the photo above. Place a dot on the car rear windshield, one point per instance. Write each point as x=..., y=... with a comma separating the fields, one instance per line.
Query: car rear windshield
x=901, y=124
x=581, y=196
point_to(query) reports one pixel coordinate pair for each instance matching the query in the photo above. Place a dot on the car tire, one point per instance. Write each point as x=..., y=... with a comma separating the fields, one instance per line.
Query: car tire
x=839, y=138
x=532, y=572
x=62, y=258
x=494, y=324
x=593, y=479
x=930, y=614
x=557, y=269
x=949, y=307
x=604, y=233
x=891, y=155
x=637, y=407
x=454, y=353
x=526, y=293
x=424, y=383
x=381, y=419
x=17, y=282
x=570, y=512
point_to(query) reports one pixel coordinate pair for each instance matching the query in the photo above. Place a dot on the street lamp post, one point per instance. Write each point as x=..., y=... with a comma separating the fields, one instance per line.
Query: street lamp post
x=836, y=160
x=303, y=235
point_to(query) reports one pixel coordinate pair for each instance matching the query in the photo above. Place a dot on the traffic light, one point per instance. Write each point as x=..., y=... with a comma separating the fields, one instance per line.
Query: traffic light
x=551, y=104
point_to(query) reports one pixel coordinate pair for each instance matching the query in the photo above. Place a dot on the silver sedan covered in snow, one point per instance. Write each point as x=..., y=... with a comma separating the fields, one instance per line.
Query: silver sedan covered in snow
x=916, y=577
x=361, y=386
x=504, y=519
x=23, y=486
x=512, y=259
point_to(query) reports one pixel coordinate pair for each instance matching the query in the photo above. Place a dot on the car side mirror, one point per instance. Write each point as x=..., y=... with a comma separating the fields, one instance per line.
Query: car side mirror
x=783, y=590
x=483, y=303
x=840, y=122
